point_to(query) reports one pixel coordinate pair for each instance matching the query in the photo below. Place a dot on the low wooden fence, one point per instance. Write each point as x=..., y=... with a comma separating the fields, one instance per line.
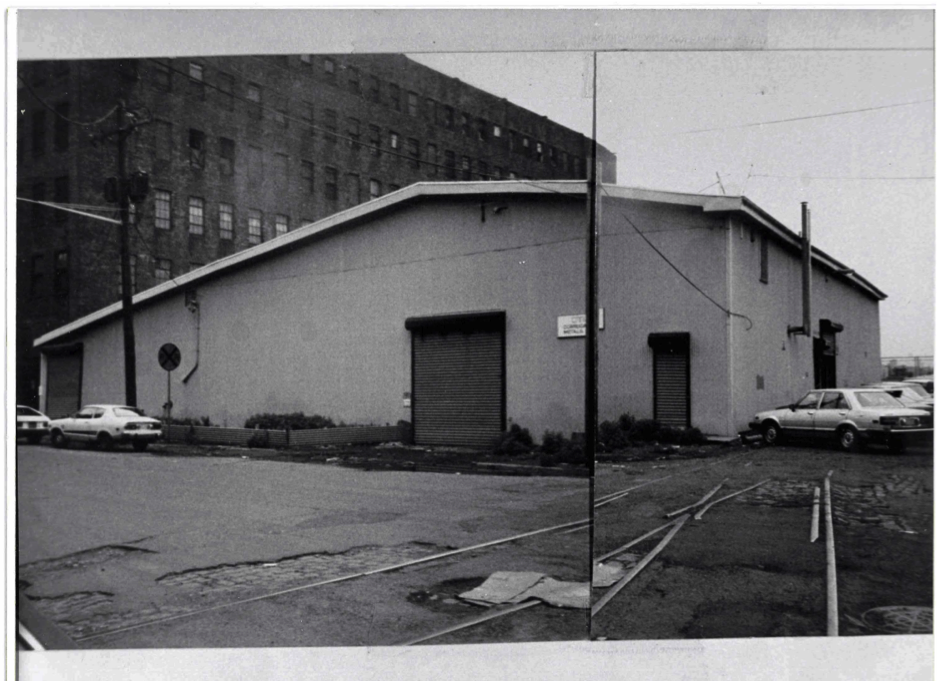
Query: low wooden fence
x=276, y=438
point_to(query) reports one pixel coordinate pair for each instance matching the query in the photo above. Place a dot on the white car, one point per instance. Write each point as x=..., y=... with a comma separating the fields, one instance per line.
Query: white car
x=908, y=394
x=105, y=426
x=854, y=416
x=31, y=424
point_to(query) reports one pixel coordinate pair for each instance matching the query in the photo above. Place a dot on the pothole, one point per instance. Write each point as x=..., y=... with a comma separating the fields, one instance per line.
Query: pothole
x=78, y=560
x=302, y=568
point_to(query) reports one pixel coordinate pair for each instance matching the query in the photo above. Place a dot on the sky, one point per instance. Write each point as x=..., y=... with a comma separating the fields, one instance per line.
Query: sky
x=650, y=104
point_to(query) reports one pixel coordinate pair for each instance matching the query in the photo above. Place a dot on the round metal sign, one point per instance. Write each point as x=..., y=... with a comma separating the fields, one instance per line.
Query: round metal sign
x=169, y=356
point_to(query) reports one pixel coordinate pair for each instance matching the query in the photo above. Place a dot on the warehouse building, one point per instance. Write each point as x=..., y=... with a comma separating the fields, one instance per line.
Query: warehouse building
x=239, y=150
x=455, y=306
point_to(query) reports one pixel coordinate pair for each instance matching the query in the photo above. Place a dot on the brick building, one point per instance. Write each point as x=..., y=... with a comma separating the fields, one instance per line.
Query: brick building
x=239, y=150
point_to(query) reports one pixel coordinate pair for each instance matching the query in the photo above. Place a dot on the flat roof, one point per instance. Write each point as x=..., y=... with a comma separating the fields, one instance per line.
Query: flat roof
x=571, y=188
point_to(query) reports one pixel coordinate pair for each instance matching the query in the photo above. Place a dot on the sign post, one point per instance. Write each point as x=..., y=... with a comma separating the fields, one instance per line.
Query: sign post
x=169, y=358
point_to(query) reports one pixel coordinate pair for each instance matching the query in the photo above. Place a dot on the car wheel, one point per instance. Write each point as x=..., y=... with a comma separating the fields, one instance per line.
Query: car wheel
x=140, y=445
x=58, y=439
x=104, y=441
x=848, y=439
x=771, y=432
x=34, y=438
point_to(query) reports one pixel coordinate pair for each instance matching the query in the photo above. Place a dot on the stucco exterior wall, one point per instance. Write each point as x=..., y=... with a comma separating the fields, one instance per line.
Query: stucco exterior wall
x=783, y=361
x=321, y=329
x=641, y=295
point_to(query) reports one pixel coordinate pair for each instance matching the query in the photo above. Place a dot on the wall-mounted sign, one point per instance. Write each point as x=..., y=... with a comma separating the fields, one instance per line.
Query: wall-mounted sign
x=570, y=325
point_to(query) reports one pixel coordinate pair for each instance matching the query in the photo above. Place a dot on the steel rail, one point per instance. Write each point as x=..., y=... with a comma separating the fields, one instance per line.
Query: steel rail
x=474, y=621
x=832, y=607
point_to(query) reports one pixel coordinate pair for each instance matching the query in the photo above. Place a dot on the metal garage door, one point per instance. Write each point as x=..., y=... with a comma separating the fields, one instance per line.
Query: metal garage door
x=458, y=379
x=63, y=384
x=671, y=378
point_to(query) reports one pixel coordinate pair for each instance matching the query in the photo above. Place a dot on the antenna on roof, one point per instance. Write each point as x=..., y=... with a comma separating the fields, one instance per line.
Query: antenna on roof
x=721, y=187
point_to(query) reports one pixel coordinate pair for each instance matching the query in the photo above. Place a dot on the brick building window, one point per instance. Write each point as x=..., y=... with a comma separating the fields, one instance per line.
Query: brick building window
x=413, y=149
x=163, y=133
x=60, y=274
x=196, y=215
x=374, y=134
x=413, y=104
x=331, y=123
x=483, y=171
x=552, y=156
x=432, y=159
x=60, y=130
x=61, y=196
x=466, y=168
x=163, y=78
x=525, y=144
x=162, y=270
x=482, y=126
x=540, y=152
x=226, y=88
x=254, y=222
x=196, y=148
x=226, y=221
x=255, y=162
x=119, y=289
x=564, y=161
x=449, y=117
x=37, y=269
x=512, y=140
x=465, y=122
x=375, y=188
x=496, y=130
x=577, y=167
x=162, y=206
x=394, y=140
x=226, y=157
x=431, y=110
x=331, y=183
x=38, y=210
x=498, y=173
x=395, y=96
x=512, y=175
x=282, y=224
x=306, y=59
x=283, y=166
x=328, y=70
x=132, y=213
x=353, y=183
x=254, y=96
x=450, y=165
x=374, y=88
x=39, y=133
x=196, y=80
x=308, y=176
x=354, y=80
x=354, y=132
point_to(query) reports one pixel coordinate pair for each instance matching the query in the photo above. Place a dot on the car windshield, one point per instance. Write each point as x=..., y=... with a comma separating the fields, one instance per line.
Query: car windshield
x=876, y=399
x=26, y=412
x=916, y=389
x=127, y=412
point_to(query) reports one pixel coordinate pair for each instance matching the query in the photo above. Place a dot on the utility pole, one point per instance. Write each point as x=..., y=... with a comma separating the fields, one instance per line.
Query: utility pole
x=591, y=406
x=121, y=189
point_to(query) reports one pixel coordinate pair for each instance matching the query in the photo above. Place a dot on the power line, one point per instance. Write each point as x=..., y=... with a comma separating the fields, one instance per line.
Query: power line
x=844, y=177
x=84, y=124
x=803, y=118
x=679, y=272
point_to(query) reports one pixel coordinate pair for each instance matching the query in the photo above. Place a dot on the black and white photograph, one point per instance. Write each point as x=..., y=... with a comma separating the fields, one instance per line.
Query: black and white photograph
x=567, y=339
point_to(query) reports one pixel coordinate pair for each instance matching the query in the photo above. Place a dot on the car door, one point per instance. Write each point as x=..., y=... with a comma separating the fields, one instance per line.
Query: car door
x=830, y=414
x=76, y=426
x=798, y=421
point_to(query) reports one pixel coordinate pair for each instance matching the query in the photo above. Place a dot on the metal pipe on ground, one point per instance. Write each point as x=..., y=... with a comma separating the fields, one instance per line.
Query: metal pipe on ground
x=698, y=502
x=815, y=516
x=702, y=511
x=469, y=623
x=832, y=607
x=631, y=544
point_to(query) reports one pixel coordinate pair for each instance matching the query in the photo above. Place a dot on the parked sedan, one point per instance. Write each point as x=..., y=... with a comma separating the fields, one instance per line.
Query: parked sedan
x=910, y=395
x=854, y=416
x=31, y=424
x=106, y=425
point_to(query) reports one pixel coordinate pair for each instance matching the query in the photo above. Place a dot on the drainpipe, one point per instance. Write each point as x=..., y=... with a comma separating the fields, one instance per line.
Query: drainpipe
x=195, y=308
x=807, y=284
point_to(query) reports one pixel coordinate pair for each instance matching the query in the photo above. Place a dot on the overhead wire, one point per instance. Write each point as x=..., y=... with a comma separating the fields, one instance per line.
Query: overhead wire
x=682, y=275
x=84, y=124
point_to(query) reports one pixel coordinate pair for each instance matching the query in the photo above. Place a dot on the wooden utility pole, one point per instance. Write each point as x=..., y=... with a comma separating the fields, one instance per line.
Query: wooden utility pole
x=130, y=350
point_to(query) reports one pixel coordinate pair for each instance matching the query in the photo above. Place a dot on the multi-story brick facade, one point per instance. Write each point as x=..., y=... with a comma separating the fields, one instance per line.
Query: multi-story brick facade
x=240, y=149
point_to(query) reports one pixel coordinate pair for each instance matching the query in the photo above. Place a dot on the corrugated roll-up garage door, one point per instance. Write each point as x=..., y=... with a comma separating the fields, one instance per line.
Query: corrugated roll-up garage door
x=63, y=382
x=458, y=379
x=671, y=378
